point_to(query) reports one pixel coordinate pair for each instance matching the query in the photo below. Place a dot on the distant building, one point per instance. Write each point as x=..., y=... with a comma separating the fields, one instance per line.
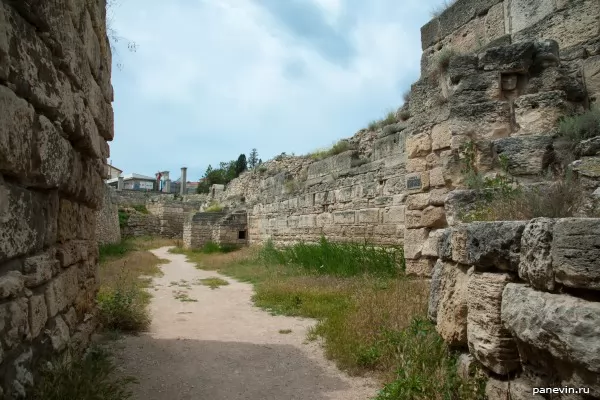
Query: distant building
x=113, y=172
x=135, y=182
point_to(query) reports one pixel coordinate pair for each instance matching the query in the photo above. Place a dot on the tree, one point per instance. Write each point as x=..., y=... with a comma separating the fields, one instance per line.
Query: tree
x=240, y=165
x=253, y=159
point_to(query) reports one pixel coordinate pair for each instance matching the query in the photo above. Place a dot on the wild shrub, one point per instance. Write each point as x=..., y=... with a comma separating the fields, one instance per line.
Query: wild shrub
x=123, y=218
x=580, y=127
x=441, y=62
x=123, y=309
x=92, y=377
x=214, y=207
x=337, y=148
x=388, y=119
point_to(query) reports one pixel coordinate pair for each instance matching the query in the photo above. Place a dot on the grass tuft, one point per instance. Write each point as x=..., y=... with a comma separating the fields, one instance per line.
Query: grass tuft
x=214, y=207
x=91, y=377
x=337, y=148
x=580, y=127
x=214, y=282
x=285, y=331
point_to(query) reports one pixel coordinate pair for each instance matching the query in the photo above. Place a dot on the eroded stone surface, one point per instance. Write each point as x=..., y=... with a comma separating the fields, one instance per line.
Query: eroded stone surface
x=452, y=307
x=535, y=265
x=489, y=341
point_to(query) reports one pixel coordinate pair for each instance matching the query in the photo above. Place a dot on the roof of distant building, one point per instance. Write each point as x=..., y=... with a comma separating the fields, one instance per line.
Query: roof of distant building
x=132, y=176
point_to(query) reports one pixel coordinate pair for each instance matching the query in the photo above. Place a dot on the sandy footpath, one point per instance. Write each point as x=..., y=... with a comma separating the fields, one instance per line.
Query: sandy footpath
x=221, y=347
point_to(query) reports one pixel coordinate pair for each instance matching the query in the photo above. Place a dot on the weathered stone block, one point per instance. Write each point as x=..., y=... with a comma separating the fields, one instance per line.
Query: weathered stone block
x=413, y=219
x=591, y=75
x=52, y=155
x=441, y=136
x=488, y=245
x=445, y=244
x=525, y=13
x=417, y=201
x=567, y=327
x=15, y=322
x=416, y=165
x=576, y=252
x=436, y=177
x=418, y=145
x=11, y=284
x=526, y=155
x=489, y=341
x=435, y=290
x=516, y=57
x=368, y=216
x=344, y=217
x=72, y=252
x=16, y=138
x=535, y=265
x=59, y=334
x=27, y=220
x=39, y=269
x=537, y=113
x=432, y=244
x=421, y=267
x=452, y=308
x=434, y=217
x=517, y=389
x=62, y=291
x=38, y=314
x=394, y=215
x=413, y=242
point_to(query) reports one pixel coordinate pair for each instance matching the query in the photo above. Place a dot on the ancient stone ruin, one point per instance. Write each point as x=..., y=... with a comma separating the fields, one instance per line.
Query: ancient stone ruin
x=520, y=298
x=56, y=119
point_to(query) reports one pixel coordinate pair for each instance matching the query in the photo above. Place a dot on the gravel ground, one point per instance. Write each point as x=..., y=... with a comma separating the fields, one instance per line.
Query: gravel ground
x=221, y=347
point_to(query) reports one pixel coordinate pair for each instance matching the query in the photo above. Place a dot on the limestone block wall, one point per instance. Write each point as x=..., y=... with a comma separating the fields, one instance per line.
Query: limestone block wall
x=523, y=298
x=107, y=220
x=217, y=227
x=55, y=120
x=140, y=224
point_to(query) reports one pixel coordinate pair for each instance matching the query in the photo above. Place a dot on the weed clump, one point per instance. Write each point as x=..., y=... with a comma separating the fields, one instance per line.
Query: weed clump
x=388, y=119
x=92, y=377
x=581, y=127
x=214, y=207
x=214, y=282
x=441, y=62
x=337, y=148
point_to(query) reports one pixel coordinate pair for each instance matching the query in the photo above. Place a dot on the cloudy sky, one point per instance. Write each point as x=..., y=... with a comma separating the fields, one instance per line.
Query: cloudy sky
x=212, y=79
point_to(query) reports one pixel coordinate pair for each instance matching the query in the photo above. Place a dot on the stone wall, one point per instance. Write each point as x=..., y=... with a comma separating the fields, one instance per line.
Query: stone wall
x=484, y=82
x=128, y=198
x=217, y=227
x=523, y=297
x=56, y=118
x=107, y=220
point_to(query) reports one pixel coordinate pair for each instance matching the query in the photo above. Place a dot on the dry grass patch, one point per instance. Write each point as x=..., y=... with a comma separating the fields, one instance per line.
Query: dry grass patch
x=126, y=270
x=285, y=331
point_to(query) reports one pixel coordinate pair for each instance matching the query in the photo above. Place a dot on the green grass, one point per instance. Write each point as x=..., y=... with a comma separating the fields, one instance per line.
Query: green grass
x=337, y=148
x=141, y=208
x=92, y=377
x=207, y=248
x=214, y=282
x=214, y=207
x=388, y=119
x=338, y=259
x=123, y=218
x=126, y=269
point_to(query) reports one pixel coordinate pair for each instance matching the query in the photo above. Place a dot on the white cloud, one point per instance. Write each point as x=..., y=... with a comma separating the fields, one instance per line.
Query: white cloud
x=223, y=65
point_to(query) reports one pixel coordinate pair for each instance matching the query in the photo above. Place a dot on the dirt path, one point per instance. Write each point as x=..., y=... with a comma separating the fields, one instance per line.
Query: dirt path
x=223, y=348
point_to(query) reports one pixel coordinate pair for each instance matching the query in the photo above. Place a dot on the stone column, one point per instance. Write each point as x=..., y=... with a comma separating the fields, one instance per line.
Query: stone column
x=183, y=186
x=167, y=188
x=120, y=183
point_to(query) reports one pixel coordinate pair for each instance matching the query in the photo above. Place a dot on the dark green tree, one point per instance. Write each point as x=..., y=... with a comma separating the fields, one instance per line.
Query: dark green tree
x=240, y=165
x=253, y=159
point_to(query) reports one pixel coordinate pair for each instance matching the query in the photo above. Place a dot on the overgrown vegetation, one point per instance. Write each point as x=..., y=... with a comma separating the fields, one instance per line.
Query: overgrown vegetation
x=126, y=269
x=140, y=208
x=439, y=9
x=388, y=119
x=226, y=172
x=338, y=259
x=581, y=127
x=91, y=377
x=337, y=148
x=214, y=206
x=371, y=317
x=123, y=218
x=207, y=248
x=441, y=62
x=501, y=198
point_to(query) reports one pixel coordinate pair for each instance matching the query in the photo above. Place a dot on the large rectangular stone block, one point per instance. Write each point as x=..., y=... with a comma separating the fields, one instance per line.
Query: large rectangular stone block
x=565, y=326
x=489, y=341
x=394, y=215
x=16, y=134
x=344, y=217
x=576, y=252
x=368, y=216
x=452, y=310
x=27, y=220
x=414, y=239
